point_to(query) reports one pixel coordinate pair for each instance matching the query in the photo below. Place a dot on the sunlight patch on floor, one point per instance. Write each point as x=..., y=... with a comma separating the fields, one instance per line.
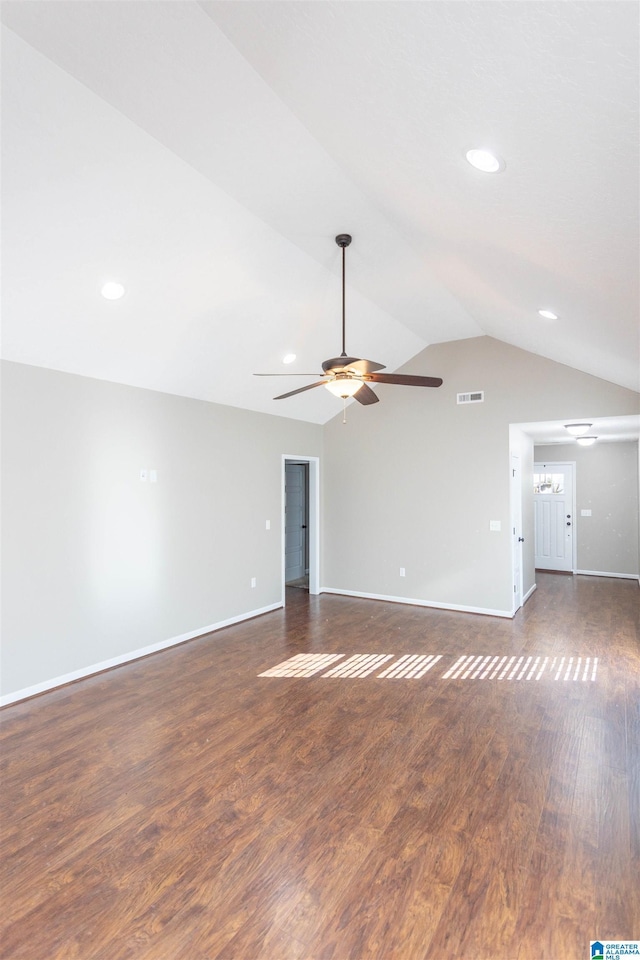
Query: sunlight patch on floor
x=415, y=665
x=410, y=666
x=303, y=665
x=472, y=667
x=360, y=665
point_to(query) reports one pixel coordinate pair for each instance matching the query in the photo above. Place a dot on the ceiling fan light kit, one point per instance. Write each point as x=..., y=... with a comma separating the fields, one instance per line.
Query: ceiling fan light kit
x=343, y=385
x=346, y=376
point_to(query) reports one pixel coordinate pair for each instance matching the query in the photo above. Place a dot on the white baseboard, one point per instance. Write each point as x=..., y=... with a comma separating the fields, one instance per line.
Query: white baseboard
x=27, y=692
x=602, y=573
x=420, y=603
x=524, y=599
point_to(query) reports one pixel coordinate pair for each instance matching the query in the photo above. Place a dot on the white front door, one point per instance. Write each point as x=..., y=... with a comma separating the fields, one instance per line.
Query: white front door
x=295, y=521
x=554, y=520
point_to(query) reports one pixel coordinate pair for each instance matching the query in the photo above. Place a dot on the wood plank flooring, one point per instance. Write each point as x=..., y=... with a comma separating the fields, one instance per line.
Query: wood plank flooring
x=183, y=807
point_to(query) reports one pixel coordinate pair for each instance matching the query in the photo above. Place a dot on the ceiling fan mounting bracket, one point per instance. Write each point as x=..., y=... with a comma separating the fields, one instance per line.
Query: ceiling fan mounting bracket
x=343, y=239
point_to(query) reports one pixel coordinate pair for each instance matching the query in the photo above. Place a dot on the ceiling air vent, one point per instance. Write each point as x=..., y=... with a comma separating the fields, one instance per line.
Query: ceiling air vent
x=476, y=397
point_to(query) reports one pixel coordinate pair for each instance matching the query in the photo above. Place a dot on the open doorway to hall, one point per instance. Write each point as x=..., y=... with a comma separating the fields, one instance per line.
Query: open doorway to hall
x=300, y=524
x=296, y=524
x=579, y=503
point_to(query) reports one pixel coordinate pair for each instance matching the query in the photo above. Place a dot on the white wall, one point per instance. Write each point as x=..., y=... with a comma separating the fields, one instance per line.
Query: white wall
x=415, y=480
x=97, y=564
x=606, y=484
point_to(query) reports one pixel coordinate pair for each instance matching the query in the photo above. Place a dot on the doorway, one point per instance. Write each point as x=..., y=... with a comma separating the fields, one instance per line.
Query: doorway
x=554, y=516
x=296, y=517
x=300, y=524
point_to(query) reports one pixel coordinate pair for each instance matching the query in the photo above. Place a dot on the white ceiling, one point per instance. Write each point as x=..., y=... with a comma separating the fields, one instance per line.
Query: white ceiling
x=606, y=429
x=206, y=154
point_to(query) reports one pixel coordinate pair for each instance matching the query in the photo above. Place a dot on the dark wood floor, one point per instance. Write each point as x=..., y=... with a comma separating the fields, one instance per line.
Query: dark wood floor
x=183, y=807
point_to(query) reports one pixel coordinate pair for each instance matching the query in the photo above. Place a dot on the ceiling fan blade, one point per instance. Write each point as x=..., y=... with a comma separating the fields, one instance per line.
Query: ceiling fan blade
x=404, y=378
x=287, y=374
x=366, y=395
x=366, y=366
x=292, y=393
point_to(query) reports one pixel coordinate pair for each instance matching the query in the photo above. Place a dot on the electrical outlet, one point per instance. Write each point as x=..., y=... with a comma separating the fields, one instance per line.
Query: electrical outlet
x=253, y=581
x=268, y=524
x=402, y=573
x=153, y=476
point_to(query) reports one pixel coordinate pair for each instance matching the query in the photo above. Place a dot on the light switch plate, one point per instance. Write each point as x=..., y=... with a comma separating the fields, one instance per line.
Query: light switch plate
x=495, y=525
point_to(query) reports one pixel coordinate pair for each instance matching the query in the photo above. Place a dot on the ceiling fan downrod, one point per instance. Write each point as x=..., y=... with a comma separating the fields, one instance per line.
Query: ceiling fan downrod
x=343, y=240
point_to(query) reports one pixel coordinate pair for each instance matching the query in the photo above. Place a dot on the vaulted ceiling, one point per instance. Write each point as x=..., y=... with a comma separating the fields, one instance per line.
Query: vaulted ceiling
x=206, y=154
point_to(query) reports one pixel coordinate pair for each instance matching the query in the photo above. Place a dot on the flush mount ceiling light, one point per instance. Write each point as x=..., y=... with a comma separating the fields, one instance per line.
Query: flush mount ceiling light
x=288, y=358
x=112, y=290
x=548, y=314
x=485, y=161
x=586, y=441
x=577, y=429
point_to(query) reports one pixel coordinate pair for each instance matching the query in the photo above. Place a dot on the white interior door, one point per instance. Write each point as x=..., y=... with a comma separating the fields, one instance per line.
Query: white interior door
x=295, y=521
x=553, y=496
x=516, y=530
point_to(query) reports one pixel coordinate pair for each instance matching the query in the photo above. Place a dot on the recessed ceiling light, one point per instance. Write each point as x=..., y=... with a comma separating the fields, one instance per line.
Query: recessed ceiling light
x=548, y=314
x=289, y=358
x=577, y=429
x=485, y=161
x=586, y=441
x=112, y=290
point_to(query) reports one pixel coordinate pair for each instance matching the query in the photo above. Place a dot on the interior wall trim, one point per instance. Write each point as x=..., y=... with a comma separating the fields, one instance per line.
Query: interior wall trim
x=602, y=573
x=94, y=668
x=484, y=611
x=528, y=593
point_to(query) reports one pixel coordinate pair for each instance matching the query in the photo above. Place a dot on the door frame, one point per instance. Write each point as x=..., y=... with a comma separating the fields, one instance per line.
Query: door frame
x=313, y=530
x=517, y=553
x=574, y=531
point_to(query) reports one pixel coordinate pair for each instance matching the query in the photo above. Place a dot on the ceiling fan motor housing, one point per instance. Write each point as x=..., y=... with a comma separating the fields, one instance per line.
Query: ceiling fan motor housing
x=343, y=239
x=338, y=363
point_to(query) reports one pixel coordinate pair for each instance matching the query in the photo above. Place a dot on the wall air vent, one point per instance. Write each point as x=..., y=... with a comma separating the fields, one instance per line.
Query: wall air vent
x=477, y=396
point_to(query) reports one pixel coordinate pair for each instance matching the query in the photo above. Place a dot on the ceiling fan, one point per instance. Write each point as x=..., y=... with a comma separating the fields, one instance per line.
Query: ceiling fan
x=349, y=376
